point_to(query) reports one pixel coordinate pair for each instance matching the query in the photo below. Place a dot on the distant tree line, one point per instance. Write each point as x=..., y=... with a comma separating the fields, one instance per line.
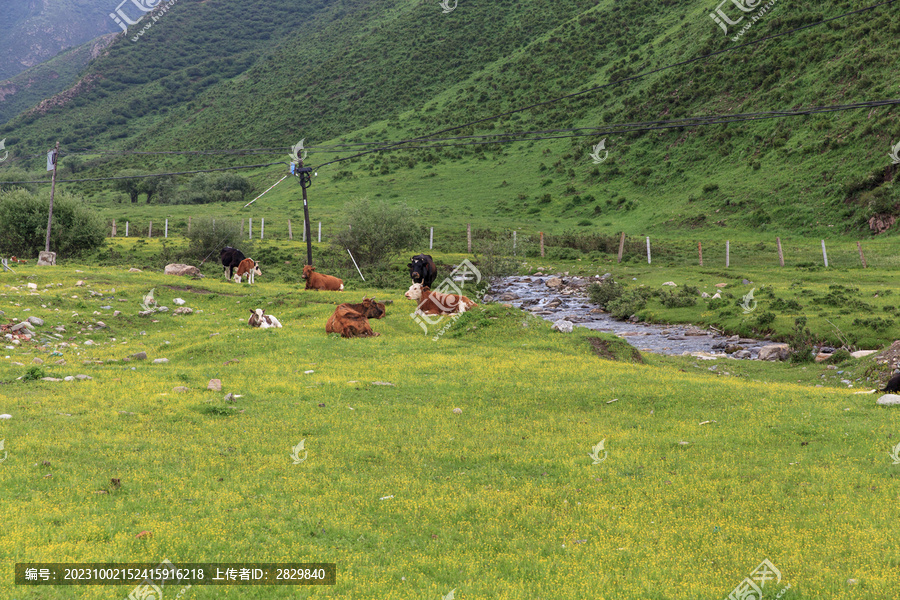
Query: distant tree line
x=202, y=188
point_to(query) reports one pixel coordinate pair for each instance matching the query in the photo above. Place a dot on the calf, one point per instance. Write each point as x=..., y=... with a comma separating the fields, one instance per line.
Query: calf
x=349, y=323
x=259, y=318
x=422, y=269
x=320, y=281
x=437, y=303
x=231, y=258
x=248, y=267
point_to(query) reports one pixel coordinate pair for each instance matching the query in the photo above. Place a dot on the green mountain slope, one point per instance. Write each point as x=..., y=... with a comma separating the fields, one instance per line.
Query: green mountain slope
x=48, y=78
x=202, y=78
x=32, y=31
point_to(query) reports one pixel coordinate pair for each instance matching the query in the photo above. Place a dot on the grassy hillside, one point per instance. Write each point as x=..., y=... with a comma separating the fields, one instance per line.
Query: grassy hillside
x=204, y=79
x=47, y=79
x=407, y=497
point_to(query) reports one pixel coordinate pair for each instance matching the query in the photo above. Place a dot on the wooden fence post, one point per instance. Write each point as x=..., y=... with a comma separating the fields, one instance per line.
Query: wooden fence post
x=189, y=226
x=824, y=254
x=542, y=244
x=469, y=238
x=621, y=246
x=780, y=253
x=150, y=230
x=727, y=254
x=290, y=232
x=250, y=228
x=700, y=250
x=114, y=228
x=862, y=258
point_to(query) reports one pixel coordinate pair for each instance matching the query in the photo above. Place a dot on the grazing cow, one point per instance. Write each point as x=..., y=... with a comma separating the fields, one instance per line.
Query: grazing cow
x=437, y=303
x=231, y=258
x=422, y=269
x=259, y=318
x=248, y=267
x=320, y=281
x=349, y=323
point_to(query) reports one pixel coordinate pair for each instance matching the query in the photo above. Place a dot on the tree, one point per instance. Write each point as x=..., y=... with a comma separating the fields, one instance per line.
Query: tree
x=132, y=187
x=377, y=231
x=23, y=224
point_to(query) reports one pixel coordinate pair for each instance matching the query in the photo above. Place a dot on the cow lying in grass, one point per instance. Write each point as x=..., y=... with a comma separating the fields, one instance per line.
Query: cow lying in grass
x=319, y=281
x=437, y=303
x=231, y=258
x=352, y=323
x=259, y=318
x=248, y=268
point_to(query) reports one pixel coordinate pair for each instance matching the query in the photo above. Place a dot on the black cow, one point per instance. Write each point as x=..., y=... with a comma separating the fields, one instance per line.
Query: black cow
x=422, y=269
x=231, y=258
x=893, y=385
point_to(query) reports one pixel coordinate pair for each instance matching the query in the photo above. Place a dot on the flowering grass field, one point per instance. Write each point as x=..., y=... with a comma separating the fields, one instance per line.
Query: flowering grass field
x=699, y=480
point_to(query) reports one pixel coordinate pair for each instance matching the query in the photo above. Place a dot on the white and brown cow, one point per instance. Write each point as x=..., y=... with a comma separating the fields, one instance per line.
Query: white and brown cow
x=248, y=268
x=437, y=303
x=259, y=318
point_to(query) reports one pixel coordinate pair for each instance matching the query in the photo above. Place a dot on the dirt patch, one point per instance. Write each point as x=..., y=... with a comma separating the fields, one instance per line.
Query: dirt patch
x=601, y=349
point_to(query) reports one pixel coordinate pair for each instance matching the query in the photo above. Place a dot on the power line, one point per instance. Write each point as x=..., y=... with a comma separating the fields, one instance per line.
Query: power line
x=150, y=175
x=549, y=134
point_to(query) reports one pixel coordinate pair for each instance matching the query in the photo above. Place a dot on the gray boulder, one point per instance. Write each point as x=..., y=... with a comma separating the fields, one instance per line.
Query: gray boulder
x=181, y=269
x=774, y=352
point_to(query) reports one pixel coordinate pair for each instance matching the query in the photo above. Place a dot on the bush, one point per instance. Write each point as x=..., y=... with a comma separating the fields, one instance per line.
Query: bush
x=801, y=342
x=628, y=303
x=209, y=235
x=604, y=292
x=34, y=373
x=378, y=231
x=23, y=224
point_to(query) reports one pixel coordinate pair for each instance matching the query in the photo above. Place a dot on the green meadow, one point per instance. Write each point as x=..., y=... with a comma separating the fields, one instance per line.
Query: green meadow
x=702, y=475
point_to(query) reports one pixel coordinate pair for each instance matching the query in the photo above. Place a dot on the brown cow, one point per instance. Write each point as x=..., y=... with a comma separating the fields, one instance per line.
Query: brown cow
x=349, y=323
x=368, y=308
x=319, y=281
x=437, y=303
x=247, y=268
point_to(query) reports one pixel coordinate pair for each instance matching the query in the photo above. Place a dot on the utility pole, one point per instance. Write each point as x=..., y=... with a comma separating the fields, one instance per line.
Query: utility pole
x=52, y=157
x=298, y=155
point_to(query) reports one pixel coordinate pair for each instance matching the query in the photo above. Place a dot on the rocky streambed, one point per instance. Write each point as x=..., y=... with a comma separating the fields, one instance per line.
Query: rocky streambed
x=560, y=298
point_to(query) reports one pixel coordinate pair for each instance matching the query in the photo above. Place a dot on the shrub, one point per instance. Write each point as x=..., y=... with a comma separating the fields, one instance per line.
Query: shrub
x=801, y=342
x=628, y=303
x=604, y=292
x=498, y=258
x=23, y=224
x=34, y=373
x=209, y=235
x=378, y=231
